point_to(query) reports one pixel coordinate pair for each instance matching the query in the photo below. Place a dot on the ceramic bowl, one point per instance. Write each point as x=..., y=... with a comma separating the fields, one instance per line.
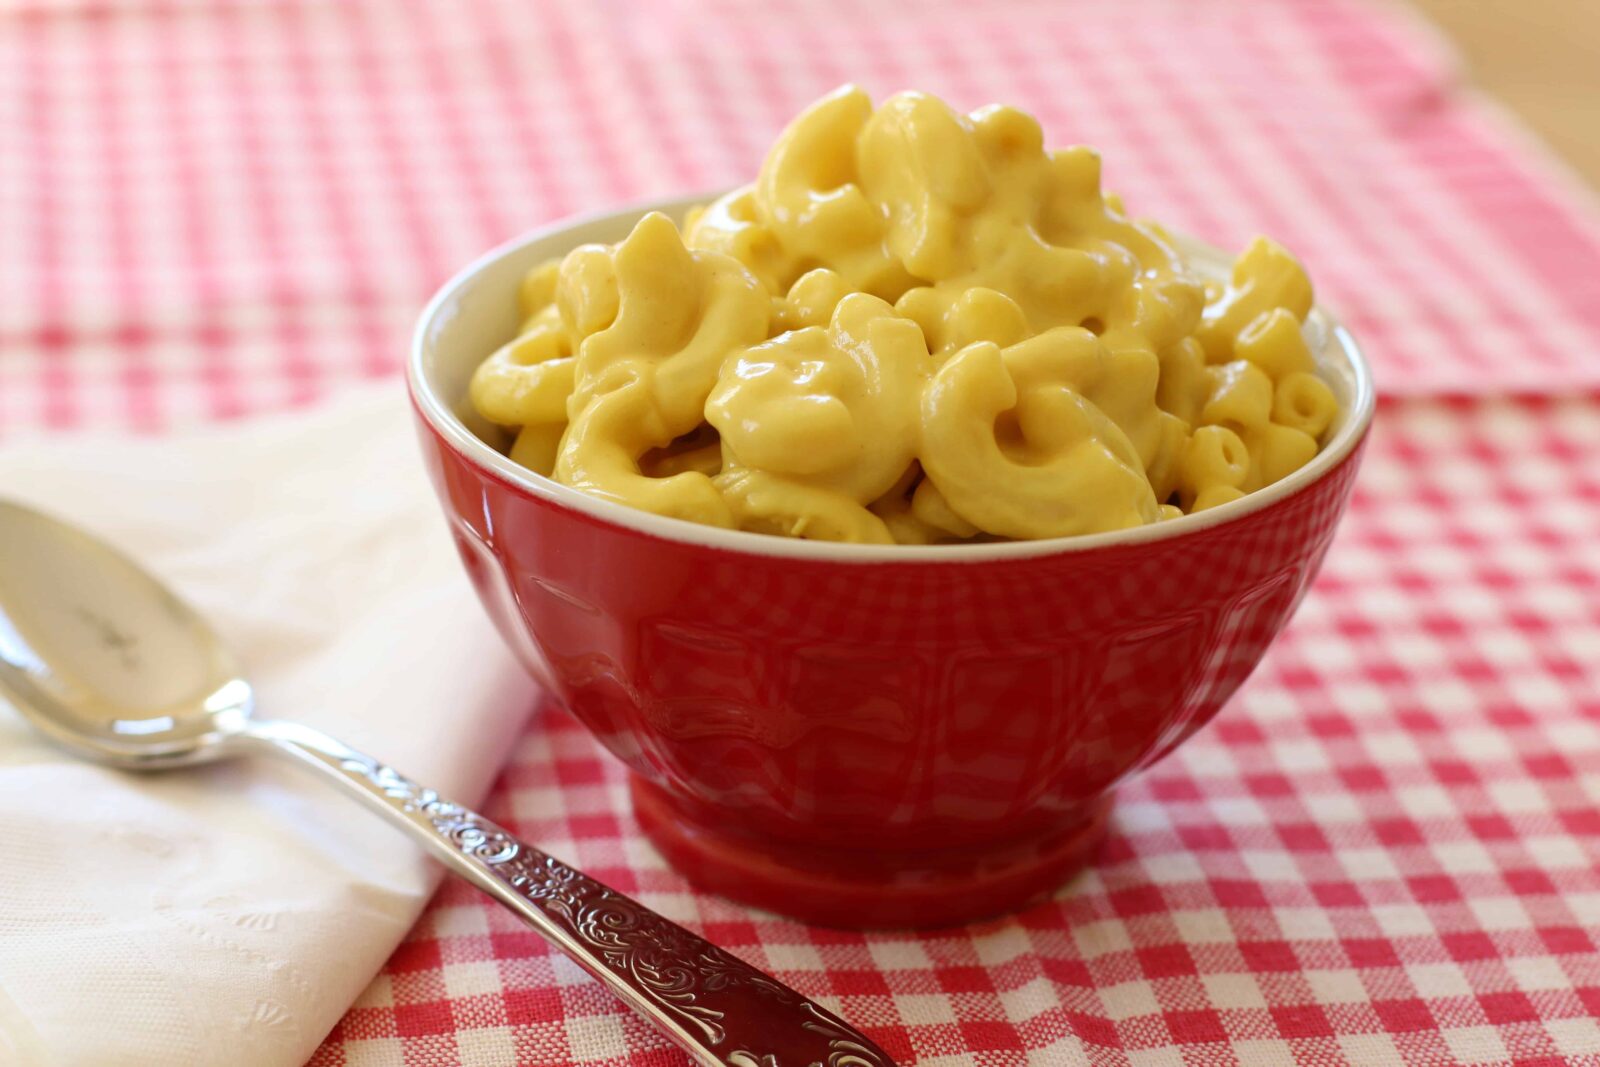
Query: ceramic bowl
x=866, y=735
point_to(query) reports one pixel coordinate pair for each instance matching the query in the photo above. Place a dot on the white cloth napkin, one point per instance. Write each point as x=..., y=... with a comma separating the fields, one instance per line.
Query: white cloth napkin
x=231, y=914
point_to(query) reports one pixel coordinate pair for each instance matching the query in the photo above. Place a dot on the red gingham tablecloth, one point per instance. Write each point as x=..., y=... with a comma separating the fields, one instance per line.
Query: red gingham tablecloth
x=1385, y=851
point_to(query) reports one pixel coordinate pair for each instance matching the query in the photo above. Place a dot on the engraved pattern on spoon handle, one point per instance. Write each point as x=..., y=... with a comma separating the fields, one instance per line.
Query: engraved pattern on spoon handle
x=719, y=1009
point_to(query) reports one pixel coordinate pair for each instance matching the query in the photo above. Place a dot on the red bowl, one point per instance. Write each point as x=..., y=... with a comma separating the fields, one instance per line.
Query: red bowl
x=866, y=735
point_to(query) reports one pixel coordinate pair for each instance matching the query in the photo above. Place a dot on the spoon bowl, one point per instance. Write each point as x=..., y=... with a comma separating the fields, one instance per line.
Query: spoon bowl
x=103, y=658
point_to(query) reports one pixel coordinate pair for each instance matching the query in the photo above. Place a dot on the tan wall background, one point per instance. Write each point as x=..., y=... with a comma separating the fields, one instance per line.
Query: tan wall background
x=1540, y=57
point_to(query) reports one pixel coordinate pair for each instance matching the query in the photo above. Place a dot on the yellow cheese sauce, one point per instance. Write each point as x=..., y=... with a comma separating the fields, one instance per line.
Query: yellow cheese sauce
x=915, y=326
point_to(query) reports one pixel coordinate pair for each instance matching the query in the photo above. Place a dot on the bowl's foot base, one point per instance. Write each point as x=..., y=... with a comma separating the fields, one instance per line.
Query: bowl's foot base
x=859, y=888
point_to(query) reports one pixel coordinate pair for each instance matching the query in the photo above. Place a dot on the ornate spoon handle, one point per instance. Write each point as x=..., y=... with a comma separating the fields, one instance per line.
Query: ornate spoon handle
x=717, y=1008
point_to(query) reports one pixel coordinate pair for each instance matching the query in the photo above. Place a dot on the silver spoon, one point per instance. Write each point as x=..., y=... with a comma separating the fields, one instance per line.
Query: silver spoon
x=110, y=664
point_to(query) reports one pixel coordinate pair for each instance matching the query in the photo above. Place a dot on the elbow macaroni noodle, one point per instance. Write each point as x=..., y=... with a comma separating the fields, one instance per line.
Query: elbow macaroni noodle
x=914, y=327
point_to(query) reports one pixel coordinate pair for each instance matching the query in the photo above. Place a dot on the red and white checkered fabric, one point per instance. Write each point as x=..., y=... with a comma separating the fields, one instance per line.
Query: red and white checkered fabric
x=1385, y=851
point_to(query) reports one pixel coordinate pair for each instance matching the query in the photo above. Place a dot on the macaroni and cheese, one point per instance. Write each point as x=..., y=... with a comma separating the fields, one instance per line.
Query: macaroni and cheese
x=918, y=327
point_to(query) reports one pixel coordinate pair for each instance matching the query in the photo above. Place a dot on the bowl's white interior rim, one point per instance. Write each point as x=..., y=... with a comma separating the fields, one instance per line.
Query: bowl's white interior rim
x=1354, y=419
